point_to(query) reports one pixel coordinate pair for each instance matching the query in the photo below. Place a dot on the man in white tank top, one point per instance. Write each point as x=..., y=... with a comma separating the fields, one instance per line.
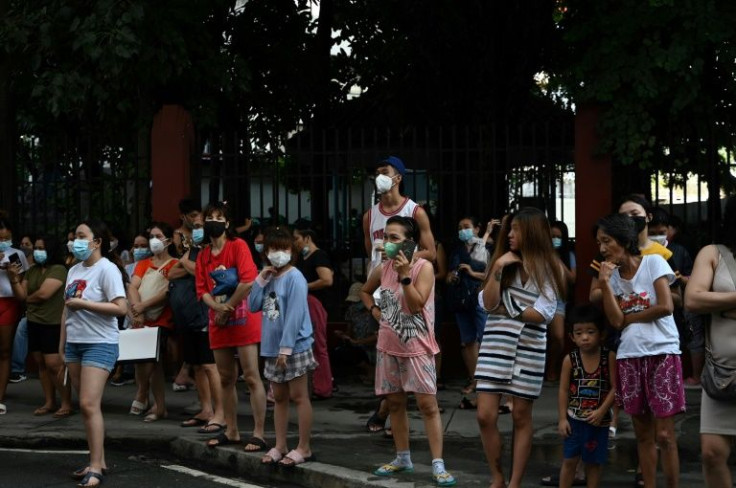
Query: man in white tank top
x=389, y=173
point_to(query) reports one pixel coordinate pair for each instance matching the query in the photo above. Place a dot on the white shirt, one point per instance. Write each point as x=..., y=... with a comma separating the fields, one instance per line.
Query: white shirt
x=378, y=219
x=101, y=282
x=641, y=339
x=6, y=289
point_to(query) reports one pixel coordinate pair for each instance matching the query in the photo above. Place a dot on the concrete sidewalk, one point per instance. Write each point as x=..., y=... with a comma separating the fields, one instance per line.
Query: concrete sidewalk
x=346, y=453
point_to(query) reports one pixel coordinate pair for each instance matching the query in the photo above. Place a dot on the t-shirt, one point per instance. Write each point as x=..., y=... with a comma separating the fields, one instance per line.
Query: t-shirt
x=648, y=338
x=308, y=267
x=166, y=319
x=101, y=282
x=401, y=332
x=48, y=311
x=6, y=289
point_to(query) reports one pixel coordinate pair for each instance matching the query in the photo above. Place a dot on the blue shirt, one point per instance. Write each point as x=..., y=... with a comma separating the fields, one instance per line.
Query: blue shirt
x=286, y=327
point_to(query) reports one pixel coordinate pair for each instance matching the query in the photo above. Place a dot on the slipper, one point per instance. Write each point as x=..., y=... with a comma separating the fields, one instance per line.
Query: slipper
x=389, y=469
x=375, y=423
x=82, y=472
x=153, y=417
x=194, y=422
x=138, y=408
x=294, y=458
x=3, y=409
x=207, y=430
x=503, y=409
x=85, y=483
x=554, y=480
x=43, y=411
x=63, y=413
x=222, y=440
x=466, y=404
x=258, y=442
x=273, y=456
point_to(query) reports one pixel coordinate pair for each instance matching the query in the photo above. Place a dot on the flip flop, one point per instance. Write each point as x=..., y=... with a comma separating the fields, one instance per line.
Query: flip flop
x=138, y=408
x=194, y=422
x=63, y=413
x=82, y=472
x=273, y=456
x=258, y=442
x=217, y=428
x=43, y=411
x=222, y=440
x=85, y=483
x=375, y=423
x=294, y=459
x=154, y=417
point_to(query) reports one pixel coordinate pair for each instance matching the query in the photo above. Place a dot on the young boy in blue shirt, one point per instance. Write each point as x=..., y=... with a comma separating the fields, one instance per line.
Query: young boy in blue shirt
x=586, y=396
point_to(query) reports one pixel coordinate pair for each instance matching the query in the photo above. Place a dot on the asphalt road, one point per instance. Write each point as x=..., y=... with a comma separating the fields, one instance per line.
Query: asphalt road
x=52, y=468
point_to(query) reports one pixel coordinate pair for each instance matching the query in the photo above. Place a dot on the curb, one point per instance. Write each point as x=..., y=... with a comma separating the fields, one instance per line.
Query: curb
x=309, y=475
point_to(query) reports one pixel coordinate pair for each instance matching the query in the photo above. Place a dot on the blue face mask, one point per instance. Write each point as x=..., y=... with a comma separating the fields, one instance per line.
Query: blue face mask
x=81, y=249
x=40, y=256
x=556, y=242
x=259, y=247
x=198, y=235
x=141, y=253
x=465, y=234
x=5, y=245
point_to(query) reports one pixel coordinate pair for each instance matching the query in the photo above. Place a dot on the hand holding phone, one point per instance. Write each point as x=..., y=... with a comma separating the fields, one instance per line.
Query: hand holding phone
x=408, y=247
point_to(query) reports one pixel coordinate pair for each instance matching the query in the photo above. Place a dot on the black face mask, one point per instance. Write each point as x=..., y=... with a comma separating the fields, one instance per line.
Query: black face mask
x=214, y=229
x=639, y=223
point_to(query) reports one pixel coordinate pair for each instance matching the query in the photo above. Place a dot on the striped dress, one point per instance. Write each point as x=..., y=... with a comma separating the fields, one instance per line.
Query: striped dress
x=512, y=353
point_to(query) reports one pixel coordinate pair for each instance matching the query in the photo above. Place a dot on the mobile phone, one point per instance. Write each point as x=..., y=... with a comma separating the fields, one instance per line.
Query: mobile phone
x=408, y=247
x=14, y=258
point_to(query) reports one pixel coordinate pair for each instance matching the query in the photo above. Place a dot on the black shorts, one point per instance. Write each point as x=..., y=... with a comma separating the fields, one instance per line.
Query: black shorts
x=43, y=338
x=196, y=347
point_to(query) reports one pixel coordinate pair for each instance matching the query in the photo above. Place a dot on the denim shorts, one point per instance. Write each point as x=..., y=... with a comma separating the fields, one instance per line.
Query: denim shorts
x=100, y=355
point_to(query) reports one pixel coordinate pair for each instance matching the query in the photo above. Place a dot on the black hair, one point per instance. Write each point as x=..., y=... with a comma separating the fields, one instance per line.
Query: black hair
x=411, y=227
x=564, y=250
x=660, y=216
x=638, y=199
x=279, y=237
x=187, y=205
x=101, y=231
x=168, y=232
x=621, y=228
x=5, y=224
x=223, y=209
x=307, y=232
x=586, y=314
x=55, y=251
x=473, y=220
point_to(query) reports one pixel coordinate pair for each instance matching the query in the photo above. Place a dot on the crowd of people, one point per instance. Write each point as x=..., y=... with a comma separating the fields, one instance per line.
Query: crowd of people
x=222, y=305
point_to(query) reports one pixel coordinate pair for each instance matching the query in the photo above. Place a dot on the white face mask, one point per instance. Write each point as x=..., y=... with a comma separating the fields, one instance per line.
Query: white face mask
x=70, y=246
x=383, y=184
x=662, y=239
x=279, y=259
x=156, y=245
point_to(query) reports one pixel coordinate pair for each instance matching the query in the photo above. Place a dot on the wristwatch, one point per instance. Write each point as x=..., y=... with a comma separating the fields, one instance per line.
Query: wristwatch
x=405, y=281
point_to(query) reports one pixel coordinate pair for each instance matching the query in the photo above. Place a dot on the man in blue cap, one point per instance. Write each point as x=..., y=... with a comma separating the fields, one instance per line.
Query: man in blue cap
x=389, y=173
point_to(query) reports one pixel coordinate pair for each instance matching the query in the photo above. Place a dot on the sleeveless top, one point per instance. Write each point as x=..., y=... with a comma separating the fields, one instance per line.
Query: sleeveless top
x=588, y=390
x=378, y=218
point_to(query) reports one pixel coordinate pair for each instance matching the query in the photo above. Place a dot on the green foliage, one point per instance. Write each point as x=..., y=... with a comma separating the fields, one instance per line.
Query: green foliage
x=662, y=71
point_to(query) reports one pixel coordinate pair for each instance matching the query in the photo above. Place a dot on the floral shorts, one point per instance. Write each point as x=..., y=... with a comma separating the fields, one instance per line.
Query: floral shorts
x=397, y=374
x=651, y=384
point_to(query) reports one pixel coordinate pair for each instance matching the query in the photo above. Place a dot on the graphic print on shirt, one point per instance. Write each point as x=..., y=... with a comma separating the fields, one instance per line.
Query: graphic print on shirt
x=75, y=289
x=633, y=302
x=406, y=326
x=271, y=309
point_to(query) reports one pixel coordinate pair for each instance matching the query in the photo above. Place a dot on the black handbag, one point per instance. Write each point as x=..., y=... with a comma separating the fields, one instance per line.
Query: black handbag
x=719, y=381
x=189, y=312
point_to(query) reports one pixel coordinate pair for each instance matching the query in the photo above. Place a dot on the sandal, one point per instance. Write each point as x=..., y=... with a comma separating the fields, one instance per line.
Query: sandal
x=260, y=445
x=444, y=479
x=85, y=483
x=375, y=423
x=294, y=458
x=153, y=417
x=222, y=440
x=3, y=409
x=391, y=469
x=138, y=408
x=273, y=456
x=82, y=472
x=194, y=422
x=467, y=404
x=63, y=413
x=207, y=429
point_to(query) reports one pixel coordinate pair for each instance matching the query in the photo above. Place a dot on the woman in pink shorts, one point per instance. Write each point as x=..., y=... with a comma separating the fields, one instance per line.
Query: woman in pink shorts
x=406, y=344
x=637, y=301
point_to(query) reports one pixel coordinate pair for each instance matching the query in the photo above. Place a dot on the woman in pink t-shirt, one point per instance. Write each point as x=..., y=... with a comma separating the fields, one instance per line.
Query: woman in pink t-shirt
x=406, y=343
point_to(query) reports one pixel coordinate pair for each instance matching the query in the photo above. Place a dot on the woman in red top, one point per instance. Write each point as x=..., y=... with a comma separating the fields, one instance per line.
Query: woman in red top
x=145, y=308
x=232, y=327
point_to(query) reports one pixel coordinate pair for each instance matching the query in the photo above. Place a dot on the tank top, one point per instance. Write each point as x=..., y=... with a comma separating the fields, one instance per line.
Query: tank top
x=588, y=390
x=378, y=219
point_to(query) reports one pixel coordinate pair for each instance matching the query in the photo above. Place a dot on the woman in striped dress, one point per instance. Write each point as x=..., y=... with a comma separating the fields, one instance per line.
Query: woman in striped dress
x=520, y=295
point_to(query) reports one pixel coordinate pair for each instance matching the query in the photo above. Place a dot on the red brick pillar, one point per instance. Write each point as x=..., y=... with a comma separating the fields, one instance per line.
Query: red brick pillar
x=172, y=143
x=593, y=193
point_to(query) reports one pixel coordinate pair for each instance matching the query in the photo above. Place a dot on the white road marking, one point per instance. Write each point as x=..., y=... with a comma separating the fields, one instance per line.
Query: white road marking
x=42, y=451
x=209, y=477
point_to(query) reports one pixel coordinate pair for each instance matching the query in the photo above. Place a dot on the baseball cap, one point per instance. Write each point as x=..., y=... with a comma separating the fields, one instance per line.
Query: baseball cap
x=397, y=163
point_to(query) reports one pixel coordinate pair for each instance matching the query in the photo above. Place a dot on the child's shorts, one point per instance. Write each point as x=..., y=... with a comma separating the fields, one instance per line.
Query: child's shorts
x=297, y=365
x=588, y=441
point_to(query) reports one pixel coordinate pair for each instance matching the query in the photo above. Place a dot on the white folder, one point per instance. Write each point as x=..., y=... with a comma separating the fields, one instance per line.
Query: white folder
x=139, y=345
